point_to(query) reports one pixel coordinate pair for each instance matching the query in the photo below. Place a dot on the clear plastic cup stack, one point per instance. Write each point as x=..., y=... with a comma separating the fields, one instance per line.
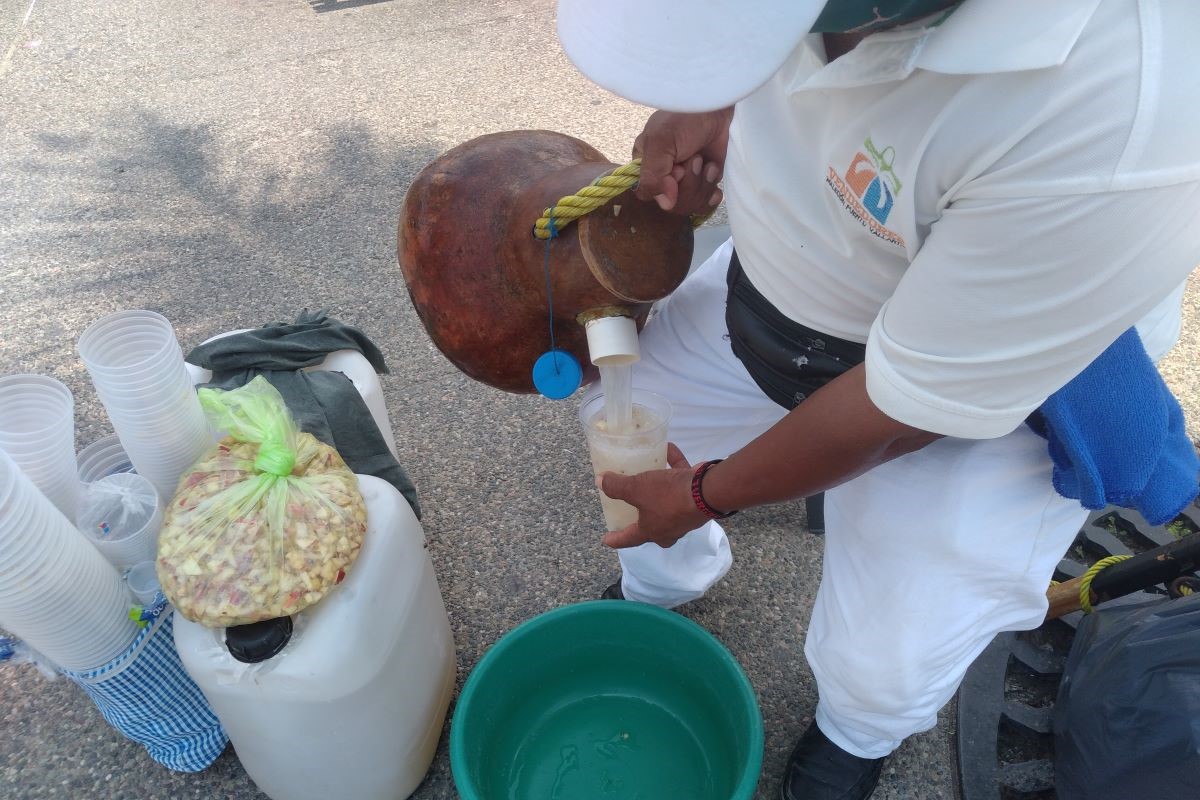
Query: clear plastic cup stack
x=102, y=458
x=56, y=591
x=37, y=429
x=137, y=367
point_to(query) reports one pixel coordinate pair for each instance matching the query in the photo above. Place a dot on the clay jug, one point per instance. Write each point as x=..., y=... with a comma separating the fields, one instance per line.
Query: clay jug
x=477, y=275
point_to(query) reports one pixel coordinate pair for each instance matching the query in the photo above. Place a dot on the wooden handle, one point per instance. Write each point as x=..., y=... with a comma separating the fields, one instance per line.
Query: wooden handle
x=1158, y=566
x=1064, y=598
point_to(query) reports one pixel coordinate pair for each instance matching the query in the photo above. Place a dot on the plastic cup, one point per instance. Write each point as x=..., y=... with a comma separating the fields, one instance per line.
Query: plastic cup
x=126, y=341
x=138, y=398
x=164, y=442
x=127, y=353
x=162, y=378
x=159, y=464
x=137, y=367
x=126, y=320
x=28, y=389
x=144, y=372
x=155, y=460
x=158, y=418
x=64, y=496
x=14, y=504
x=626, y=453
x=24, y=434
x=54, y=582
x=121, y=516
x=47, y=465
x=56, y=592
x=35, y=412
x=158, y=429
x=168, y=480
x=162, y=365
x=171, y=445
x=150, y=401
x=112, y=333
x=105, y=456
x=43, y=477
x=25, y=551
x=37, y=429
x=142, y=580
x=175, y=410
x=57, y=626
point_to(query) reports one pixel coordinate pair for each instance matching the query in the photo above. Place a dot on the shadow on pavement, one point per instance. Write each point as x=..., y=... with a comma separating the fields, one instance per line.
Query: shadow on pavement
x=324, y=6
x=185, y=220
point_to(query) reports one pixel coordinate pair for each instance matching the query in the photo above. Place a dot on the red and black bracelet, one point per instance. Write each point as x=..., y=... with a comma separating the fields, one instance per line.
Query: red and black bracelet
x=698, y=496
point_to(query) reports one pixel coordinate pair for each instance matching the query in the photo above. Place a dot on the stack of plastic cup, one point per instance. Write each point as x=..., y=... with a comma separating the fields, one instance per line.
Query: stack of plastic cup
x=37, y=428
x=102, y=458
x=56, y=592
x=137, y=367
x=121, y=516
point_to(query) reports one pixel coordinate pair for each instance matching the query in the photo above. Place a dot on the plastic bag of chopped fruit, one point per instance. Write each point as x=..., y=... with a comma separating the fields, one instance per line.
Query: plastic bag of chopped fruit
x=266, y=523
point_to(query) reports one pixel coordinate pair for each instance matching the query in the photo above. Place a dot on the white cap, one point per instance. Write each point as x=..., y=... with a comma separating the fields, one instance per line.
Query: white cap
x=683, y=56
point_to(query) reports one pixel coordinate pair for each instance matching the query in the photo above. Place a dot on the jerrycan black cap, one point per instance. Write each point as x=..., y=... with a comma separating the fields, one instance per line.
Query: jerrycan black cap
x=258, y=641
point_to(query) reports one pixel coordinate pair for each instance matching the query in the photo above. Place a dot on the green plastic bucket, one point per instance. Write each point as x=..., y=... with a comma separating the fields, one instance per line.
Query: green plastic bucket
x=607, y=700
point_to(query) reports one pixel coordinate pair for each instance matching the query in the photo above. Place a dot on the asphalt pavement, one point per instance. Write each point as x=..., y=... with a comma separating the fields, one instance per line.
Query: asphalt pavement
x=230, y=163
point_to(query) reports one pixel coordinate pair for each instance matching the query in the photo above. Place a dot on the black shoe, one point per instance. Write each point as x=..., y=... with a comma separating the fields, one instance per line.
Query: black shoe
x=820, y=770
x=613, y=592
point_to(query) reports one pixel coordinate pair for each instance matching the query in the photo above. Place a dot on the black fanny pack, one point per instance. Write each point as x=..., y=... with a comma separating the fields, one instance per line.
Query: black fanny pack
x=787, y=360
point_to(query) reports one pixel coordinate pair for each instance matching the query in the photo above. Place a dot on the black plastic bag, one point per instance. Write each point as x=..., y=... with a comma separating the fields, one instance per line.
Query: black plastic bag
x=1127, y=719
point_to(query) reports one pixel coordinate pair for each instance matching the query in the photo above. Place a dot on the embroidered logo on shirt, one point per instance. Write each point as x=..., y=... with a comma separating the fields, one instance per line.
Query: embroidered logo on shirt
x=869, y=189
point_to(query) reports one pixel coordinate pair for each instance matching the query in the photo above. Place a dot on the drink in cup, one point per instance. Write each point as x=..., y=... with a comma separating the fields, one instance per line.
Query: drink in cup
x=640, y=447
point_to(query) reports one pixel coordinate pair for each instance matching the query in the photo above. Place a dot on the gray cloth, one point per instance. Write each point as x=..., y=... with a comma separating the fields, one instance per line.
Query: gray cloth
x=325, y=404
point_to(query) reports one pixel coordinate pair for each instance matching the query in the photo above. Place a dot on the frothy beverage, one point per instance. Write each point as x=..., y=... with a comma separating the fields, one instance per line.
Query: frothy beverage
x=640, y=447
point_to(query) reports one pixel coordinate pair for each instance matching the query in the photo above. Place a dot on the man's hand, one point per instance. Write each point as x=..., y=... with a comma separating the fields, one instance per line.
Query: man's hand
x=837, y=434
x=663, y=498
x=683, y=158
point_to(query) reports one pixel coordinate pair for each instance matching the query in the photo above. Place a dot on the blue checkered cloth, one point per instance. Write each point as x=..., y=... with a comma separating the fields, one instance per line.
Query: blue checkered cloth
x=146, y=695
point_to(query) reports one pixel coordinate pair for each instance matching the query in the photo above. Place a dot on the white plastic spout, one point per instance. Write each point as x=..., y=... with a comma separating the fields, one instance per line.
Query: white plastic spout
x=612, y=340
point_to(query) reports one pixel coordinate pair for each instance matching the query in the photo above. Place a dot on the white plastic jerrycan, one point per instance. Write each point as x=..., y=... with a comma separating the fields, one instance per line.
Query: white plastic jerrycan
x=350, y=702
x=351, y=363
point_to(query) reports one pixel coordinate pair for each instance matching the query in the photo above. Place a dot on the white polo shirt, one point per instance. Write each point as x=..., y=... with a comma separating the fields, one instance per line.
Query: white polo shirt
x=987, y=203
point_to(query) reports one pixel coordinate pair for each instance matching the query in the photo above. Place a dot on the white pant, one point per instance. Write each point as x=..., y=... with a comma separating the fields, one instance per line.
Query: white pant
x=927, y=557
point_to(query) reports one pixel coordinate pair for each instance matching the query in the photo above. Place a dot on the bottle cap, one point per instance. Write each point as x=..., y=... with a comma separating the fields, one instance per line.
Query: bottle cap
x=557, y=374
x=258, y=641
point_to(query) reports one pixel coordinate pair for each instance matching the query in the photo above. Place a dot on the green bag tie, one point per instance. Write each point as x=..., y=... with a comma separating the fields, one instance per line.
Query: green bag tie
x=275, y=458
x=256, y=413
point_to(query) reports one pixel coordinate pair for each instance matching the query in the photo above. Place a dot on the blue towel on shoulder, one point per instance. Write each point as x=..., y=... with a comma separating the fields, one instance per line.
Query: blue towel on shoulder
x=1117, y=437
